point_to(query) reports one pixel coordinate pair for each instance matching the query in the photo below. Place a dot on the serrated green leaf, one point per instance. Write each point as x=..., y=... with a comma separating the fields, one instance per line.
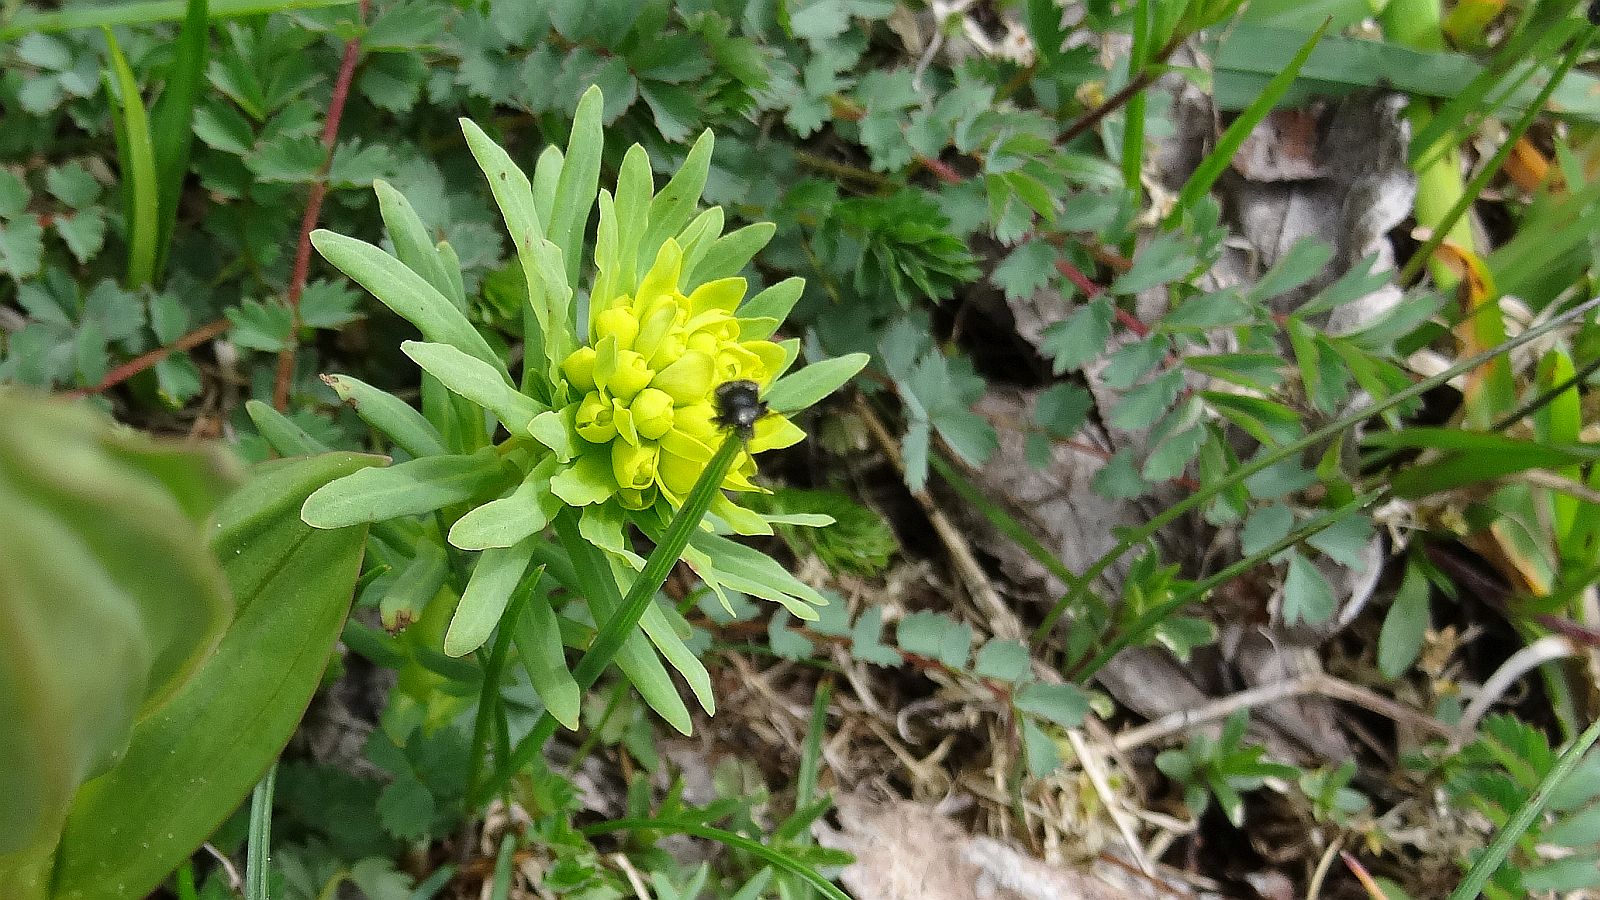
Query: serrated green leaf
x=1306, y=595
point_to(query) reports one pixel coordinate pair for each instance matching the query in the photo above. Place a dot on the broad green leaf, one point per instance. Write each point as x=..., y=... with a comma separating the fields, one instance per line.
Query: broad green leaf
x=476, y=380
x=410, y=488
x=110, y=597
x=816, y=381
x=190, y=763
x=936, y=637
x=493, y=580
x=389, y=415
x=405, y=292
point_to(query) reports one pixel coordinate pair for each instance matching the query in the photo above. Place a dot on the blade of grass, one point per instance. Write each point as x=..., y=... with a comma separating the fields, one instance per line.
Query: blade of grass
x=137, y=163
x=1493, y=857
x=41, y=22
x=805, y=782
x=1211, y=168
x=625, y=619
x=502, y=866
x=1249, y=54
x=1133, y=537
x=1133, y=116
x=1473, y=100
x=1487, y=171
x=776, y=858
x=172, y=120
x=258, y=847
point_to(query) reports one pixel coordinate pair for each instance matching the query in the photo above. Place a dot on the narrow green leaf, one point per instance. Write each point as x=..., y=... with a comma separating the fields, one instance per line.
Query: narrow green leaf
x=281, y=433
x=1403, y=628
x=410, y=488
x=404, y=291
x=138, y=164
x=476, y=380
x=411, y=243
x=1211, y=168
x=728, y=255
x=488, y=591
x=770, y=306
x=172, y=118
x=258, y=844
x=538, y=639
x=507, y=521
x=672, y=209
x=816, y=381
x=34, y=21
x=575, y=190
x=389, y=415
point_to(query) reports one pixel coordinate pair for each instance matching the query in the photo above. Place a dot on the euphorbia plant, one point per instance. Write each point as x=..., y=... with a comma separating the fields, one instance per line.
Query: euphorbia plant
x=610, y=427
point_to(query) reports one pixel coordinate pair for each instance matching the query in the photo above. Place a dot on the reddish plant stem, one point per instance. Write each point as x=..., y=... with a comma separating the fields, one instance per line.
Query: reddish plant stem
x=308, y=222
x=145, y=360
x=1090, y=289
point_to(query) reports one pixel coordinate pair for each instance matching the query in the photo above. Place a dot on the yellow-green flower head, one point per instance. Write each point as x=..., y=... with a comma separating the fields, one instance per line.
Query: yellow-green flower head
x=645, y=386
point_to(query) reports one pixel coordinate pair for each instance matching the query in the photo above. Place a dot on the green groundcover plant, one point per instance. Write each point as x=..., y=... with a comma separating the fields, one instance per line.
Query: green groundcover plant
x=649, y=386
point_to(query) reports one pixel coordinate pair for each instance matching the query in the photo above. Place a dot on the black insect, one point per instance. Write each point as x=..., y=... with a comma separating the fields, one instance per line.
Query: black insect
x=739, y=405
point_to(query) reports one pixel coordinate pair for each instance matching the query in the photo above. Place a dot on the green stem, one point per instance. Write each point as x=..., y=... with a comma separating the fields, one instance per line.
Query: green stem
x=776, y=858
x=1080, y=585
x=1448, y=222
x=258, y=852
x=494, y=666
x=640, y=595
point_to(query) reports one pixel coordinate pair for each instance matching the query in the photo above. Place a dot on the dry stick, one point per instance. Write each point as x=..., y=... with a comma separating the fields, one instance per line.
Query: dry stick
x=145, y=360
x=1002, y=622
x=1111, y=104
x=1096, y=770
x=308, y=223
x=1313, y=683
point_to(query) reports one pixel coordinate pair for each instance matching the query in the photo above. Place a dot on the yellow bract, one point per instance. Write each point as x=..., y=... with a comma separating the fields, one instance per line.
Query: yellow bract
x=646, y=384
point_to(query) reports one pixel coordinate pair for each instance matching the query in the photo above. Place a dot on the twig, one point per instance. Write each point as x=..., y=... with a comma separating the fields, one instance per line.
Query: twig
x=1560, y=484
x=145, y=360
x=1094, y=767
x=1313, y=683
x=1111, y=104
x=1314, y=887
x=1002, y=622
x=1549, y=648
x=308, y=222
